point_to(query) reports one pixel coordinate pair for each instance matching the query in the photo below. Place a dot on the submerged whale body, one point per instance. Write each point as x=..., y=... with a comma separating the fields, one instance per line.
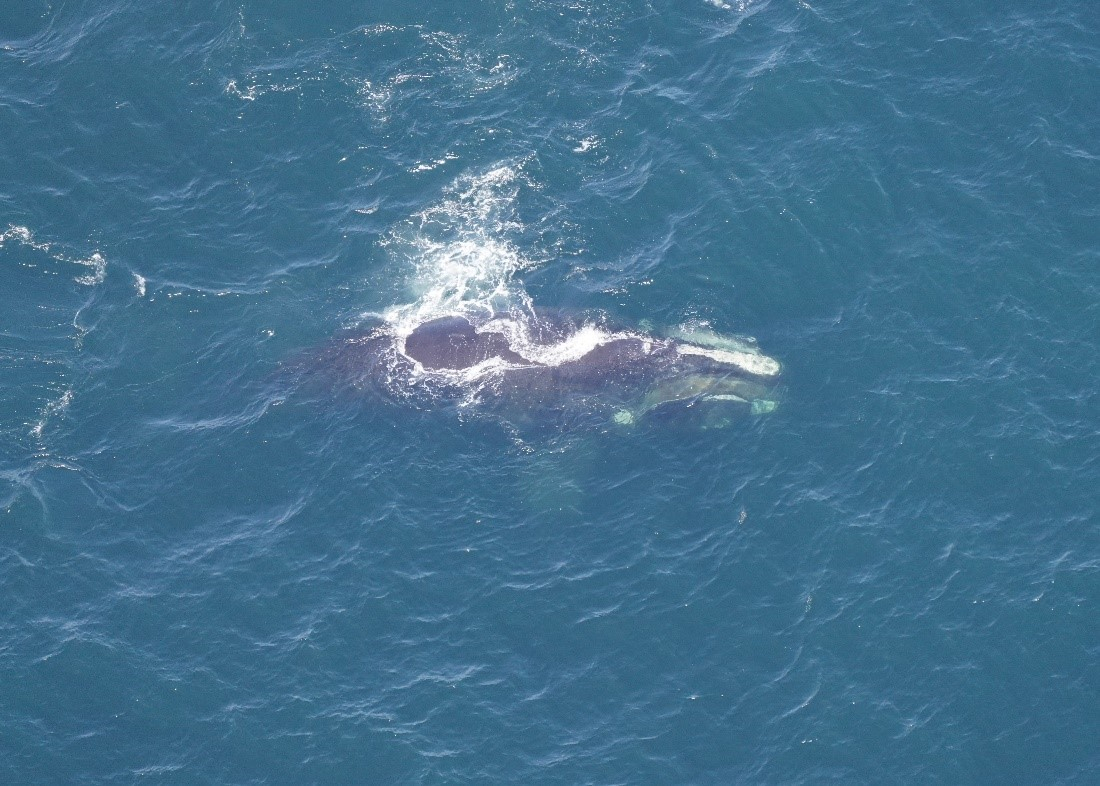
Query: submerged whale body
x=523, y=366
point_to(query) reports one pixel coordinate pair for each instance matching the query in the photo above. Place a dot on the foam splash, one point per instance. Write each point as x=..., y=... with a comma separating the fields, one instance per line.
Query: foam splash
x=96, y=263
x=52, y=409
x=21, y=235
x=98, y=270
x=740, y=5
x=460, y=252
x=554, y=353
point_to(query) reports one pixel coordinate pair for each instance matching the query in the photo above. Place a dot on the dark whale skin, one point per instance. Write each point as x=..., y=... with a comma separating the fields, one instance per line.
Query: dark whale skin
x=425, y=369
x=454, y=343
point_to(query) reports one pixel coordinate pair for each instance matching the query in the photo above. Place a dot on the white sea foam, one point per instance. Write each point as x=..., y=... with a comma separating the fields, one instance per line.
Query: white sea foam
x=462, y=258
x=255, y=89
x=53, y=408
x=516, y=330
x=741, y=5
x=98, y=270
x=428, y=166
x=572, y=348
x=25, y=237
x=586, y=144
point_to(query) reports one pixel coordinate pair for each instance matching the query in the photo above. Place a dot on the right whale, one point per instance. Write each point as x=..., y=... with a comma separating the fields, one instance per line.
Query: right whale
x=523, y=364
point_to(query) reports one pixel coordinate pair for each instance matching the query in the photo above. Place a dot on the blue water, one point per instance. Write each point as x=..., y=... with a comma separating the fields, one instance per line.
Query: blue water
x=213, y=576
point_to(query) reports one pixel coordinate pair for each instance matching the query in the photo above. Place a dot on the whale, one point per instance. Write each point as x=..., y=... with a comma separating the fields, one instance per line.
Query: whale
x=529, y=365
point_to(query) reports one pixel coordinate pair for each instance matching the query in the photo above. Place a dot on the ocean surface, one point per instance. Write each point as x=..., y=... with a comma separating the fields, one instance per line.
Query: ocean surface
x=215, y=572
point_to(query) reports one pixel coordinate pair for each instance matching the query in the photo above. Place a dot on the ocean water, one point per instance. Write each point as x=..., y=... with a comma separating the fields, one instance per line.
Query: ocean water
x=213, y=574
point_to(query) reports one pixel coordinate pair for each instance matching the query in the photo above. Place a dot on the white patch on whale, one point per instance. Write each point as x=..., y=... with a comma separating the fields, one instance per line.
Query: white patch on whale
x=753, y=363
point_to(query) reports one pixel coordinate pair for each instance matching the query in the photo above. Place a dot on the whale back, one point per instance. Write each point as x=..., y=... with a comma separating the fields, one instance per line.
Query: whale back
x=454, y=343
